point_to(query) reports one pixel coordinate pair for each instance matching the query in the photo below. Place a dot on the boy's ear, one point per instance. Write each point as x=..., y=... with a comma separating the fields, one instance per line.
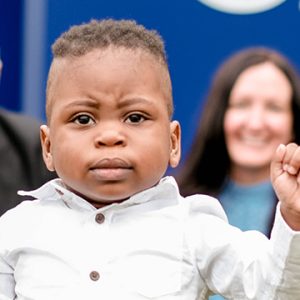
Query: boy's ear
x=175, y=149
x=46, y=147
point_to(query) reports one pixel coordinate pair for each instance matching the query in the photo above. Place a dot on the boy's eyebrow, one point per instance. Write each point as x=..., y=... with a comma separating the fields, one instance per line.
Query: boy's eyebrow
x=96, y=104
x=83, y=102
x=131, y=101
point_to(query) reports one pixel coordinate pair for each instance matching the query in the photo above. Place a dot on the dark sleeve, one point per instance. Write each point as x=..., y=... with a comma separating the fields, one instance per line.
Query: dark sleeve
x=21, y=162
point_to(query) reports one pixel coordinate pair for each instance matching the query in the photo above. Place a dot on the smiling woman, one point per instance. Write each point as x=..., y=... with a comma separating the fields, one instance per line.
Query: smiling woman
x=252, y=107
x=258, y=118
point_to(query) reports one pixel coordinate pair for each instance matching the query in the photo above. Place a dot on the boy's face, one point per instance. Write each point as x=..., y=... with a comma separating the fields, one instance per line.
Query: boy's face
x=109, y=133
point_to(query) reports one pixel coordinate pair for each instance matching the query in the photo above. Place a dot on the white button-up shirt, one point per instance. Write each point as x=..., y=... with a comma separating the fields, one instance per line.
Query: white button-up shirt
x=155, y=245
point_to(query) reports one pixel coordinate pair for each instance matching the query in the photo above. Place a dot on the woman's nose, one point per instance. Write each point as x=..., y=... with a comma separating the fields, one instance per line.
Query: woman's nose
x=256, y=118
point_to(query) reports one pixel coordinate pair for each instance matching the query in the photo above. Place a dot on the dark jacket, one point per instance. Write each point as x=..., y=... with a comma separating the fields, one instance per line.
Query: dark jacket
x=21, y=162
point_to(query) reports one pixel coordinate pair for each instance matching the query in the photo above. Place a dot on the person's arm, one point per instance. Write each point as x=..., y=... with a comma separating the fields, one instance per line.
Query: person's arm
x=246, y=265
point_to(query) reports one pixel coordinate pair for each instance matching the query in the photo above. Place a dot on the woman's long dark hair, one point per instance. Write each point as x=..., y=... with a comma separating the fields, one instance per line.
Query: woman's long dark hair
x=207, y=163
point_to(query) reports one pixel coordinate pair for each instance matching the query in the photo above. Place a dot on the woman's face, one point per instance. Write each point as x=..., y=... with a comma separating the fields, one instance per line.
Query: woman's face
x=258, y=118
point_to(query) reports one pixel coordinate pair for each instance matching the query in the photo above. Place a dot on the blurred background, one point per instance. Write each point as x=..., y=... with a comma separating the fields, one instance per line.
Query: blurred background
x=199, y=35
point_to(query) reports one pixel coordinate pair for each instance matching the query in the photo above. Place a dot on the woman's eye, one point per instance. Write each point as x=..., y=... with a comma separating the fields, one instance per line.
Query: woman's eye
x=135, y=118
x=274, y=107
x=83, y=120
x=239, y=105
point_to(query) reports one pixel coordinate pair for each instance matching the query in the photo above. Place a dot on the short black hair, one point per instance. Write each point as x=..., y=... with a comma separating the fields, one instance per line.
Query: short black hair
x=80, y=39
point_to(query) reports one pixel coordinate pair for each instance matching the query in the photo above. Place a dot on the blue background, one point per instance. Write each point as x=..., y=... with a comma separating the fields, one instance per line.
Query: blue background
x=197, y=39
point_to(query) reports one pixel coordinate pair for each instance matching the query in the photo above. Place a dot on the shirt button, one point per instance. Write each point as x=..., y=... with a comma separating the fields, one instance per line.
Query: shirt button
x=94, y=275
x=100, y=218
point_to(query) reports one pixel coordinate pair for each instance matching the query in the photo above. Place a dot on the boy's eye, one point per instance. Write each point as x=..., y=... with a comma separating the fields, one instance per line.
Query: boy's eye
x=83, y=120
x=135, y=118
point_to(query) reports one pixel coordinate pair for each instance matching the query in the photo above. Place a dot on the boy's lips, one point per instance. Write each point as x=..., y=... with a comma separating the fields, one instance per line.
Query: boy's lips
x=111, y=169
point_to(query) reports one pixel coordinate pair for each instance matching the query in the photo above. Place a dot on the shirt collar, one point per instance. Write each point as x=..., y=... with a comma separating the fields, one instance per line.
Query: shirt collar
x=166, y=191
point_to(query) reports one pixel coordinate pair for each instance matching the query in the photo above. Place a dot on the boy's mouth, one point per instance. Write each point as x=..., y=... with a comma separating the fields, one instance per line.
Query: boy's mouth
x=111, y=169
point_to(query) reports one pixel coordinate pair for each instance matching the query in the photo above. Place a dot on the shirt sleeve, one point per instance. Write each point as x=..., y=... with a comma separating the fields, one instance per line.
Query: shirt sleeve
x=7, y=282
x=246, y=265
x=286, y=246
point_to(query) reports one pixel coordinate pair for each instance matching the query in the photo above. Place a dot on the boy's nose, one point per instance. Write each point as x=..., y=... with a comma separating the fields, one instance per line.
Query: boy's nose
x=110, y=138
